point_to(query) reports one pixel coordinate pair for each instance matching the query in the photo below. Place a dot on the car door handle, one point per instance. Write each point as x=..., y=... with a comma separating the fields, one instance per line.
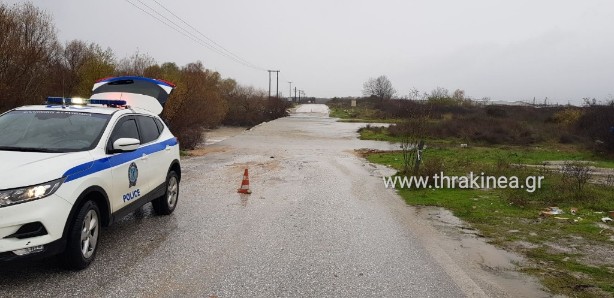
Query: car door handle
x=168, y=148
x=144, y=157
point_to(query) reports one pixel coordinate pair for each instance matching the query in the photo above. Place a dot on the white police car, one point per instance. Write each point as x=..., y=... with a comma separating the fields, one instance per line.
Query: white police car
x=73, y=166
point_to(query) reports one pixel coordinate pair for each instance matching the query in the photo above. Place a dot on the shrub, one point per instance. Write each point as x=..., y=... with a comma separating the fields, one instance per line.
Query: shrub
x=496, y=111
x=576, y=175
x=567, y=138
x=567, y=117
x=189, y=137
x=431, y=167
x=597, y=124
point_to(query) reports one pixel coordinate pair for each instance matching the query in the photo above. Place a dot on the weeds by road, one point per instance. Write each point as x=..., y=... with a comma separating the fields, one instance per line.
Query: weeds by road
x=362, y=115
x=569, y=252
x=451, y=151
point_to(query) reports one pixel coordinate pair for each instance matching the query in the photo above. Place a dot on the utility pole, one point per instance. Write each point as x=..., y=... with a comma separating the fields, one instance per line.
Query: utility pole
x=299, y=95
x=269, y=83
x=294, y=93
x=277, y=73
x=277, y=88
x=290, y=93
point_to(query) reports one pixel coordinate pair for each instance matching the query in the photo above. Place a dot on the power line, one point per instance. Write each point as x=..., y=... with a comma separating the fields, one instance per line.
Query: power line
x=160, y=20
x=206, y=37
x=188, y=34
x=193, y=36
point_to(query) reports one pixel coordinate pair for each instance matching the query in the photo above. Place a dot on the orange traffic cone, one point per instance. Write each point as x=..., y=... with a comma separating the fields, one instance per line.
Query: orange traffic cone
x=245, y=184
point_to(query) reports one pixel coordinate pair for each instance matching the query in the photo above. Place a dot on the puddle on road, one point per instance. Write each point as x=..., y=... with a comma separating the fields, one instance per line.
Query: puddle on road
x=220, y=134
x=305, y=141
x=243, y=198
x=467, y=246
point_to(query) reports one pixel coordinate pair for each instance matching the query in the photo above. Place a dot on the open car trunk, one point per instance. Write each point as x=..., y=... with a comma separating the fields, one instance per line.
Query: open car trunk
x=138, y=92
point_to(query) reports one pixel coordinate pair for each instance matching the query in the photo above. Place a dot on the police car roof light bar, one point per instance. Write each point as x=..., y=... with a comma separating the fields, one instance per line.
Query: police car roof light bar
x=81, y=101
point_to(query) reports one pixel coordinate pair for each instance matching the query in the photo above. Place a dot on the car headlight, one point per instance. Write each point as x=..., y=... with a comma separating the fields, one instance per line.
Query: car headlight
x=29, y=193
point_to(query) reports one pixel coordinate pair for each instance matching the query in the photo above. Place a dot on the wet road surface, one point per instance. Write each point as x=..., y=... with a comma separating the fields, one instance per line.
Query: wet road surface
x=318, y=223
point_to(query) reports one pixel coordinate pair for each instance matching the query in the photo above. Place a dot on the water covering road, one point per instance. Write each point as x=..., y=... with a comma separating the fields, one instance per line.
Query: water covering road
x=319, y=223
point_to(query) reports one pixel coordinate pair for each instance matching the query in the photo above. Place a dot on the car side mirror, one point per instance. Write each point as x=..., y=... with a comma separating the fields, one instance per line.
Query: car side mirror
x=126, y=145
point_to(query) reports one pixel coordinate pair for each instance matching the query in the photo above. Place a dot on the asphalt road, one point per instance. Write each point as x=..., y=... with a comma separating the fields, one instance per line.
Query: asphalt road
x=319, y=223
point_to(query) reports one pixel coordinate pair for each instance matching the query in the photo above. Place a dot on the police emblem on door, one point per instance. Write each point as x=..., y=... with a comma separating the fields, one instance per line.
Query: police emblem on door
x=133, y=175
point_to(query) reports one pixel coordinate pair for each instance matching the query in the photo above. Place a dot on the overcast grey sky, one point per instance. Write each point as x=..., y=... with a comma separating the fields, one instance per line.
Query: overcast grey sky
x=507, y=50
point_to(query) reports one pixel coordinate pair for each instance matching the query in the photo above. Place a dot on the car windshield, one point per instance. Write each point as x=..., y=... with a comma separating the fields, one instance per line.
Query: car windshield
x=50, y=131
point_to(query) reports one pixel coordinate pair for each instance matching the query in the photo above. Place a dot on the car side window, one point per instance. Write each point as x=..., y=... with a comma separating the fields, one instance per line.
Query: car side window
x=149, y=129
x=160, y=125
x=125, y=129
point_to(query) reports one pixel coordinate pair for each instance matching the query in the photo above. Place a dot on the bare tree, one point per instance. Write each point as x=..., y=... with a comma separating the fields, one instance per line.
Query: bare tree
x=380, y=87
x=577, y=174
x=458, y=95
x=28, y=51
x=439, y=93
x=412, y=142
x=414, y=94
x=136, y=64
x=83, y=64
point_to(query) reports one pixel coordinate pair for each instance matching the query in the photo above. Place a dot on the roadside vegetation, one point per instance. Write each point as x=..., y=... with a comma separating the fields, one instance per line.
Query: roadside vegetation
x=570, y=249
x=570, y=252
x=34, y=64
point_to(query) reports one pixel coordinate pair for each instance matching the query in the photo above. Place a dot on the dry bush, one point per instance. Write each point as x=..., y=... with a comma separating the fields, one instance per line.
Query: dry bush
x=197, y=103
x=189, y=137
x=576, y=175
x=29, y=51
x=567, y=117
x=431, y=167
x=250, y=106
x=597, y=124
x=135, y=65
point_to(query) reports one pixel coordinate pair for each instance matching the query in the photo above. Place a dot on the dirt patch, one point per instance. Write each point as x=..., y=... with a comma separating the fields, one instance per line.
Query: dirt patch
x=598, y=255
x=364, y=152
x=207, y=150
x=598, y=175
x=256, y=166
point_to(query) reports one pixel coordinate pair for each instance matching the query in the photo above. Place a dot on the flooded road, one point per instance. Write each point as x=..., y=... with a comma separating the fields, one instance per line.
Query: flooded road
x=319, y=223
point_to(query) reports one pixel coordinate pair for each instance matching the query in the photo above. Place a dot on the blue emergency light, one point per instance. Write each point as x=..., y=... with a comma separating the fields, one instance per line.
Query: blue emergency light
x=82, y=101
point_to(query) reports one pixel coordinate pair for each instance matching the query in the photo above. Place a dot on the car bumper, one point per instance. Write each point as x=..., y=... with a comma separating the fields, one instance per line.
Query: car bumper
x=17, y=239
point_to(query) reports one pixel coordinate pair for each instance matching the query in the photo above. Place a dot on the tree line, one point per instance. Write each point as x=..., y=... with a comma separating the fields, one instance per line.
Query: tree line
x=442, y=114
x=34, y=64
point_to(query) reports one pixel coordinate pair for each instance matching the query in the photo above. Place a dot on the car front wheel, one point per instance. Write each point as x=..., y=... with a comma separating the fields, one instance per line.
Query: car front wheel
x=83, y=237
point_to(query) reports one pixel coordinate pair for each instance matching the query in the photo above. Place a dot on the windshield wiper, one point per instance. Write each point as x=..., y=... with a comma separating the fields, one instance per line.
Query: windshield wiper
x=28, y=149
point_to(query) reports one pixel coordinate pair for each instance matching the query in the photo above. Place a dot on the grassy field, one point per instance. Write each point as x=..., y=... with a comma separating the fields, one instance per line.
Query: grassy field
x=571, y=253
x=450, y=151
x=561, y=250
x=362, y=115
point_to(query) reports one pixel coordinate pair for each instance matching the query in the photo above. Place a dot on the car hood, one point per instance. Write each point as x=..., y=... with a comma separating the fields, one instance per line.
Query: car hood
x=30, y=168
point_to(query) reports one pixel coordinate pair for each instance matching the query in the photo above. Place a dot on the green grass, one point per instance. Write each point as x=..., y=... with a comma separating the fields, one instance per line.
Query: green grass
x=356, y=120
x=450, y=151
x=367, y=134
x=362, y=115
x=496, y=212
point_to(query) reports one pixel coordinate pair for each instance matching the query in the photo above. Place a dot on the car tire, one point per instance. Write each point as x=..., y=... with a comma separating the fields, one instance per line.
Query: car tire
x=83, y=236
x=166, y=204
